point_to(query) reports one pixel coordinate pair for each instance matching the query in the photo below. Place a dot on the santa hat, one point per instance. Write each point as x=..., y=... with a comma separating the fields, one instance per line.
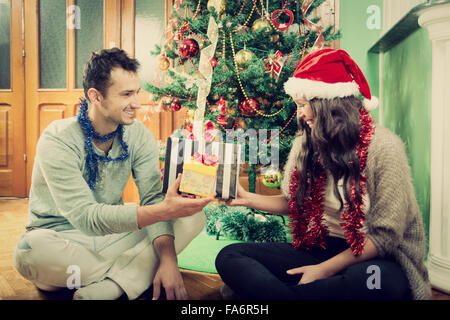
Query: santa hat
x=328, y=74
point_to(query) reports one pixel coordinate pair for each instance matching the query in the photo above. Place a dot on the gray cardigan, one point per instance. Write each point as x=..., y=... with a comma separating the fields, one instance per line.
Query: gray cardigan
x=394, y=221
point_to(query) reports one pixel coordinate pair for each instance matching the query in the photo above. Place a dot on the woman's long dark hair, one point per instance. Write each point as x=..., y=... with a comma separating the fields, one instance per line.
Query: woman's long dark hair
x=331, y=146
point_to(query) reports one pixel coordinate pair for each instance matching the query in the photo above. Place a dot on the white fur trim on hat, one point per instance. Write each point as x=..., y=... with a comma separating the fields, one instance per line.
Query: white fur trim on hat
x=298, y=88
x=371, y=104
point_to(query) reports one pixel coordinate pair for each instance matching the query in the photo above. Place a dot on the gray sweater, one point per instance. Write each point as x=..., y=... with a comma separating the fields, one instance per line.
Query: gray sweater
x=60, y=198
x=394, y=221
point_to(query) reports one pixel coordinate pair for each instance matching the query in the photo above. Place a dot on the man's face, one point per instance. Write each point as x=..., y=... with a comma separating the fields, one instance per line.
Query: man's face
x=121, y=99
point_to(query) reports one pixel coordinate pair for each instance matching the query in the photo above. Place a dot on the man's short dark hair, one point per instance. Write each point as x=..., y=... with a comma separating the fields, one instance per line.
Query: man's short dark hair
x=97, y=71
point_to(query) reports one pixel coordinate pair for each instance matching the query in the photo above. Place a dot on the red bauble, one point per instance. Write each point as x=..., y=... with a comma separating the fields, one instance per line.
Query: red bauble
x=189, y=48
x=175, y=105
x=222, y=120
x=214, y=62
x=248, y=106
x=222, y=106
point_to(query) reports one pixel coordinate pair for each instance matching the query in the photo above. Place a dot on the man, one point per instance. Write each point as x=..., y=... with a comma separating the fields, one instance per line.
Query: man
x=78, y=225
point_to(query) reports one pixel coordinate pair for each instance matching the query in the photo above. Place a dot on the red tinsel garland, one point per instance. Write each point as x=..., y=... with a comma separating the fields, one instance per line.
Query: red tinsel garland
x=306, y=224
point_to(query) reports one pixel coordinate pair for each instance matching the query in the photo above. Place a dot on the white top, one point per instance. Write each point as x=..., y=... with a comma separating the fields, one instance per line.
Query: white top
x=332, y=216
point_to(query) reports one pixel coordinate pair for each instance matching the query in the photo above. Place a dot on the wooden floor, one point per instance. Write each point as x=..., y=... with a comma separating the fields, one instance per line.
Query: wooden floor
x=13, y=215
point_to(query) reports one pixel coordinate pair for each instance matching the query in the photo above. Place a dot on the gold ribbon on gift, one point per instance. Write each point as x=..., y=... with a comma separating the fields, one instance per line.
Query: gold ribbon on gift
x=318, y=44
x=206, y=70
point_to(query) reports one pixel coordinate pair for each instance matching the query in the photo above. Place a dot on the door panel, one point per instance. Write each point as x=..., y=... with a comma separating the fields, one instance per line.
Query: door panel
x=52, y=44
x=53, y=90
x=59, y=35
x=12, y=129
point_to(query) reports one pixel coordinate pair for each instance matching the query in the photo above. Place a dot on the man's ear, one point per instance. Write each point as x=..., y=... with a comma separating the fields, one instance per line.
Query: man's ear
x=95, y=96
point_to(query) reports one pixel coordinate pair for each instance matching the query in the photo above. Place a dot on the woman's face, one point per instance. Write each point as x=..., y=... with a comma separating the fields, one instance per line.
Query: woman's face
x=304, y=111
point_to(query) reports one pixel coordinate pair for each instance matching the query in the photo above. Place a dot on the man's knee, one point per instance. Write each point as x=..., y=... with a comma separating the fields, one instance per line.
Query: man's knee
x=27, y=253
x=23, y=265
x=186, y=229
x=191, y=225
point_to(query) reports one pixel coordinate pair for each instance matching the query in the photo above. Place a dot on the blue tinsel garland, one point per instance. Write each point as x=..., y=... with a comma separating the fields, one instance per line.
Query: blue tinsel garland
x=92, y=158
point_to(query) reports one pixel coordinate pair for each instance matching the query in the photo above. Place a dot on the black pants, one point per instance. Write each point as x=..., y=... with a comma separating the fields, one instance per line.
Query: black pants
x=258, y=271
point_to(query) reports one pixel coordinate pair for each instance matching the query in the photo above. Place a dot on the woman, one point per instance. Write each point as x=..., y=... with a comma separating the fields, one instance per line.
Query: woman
x=356, y=227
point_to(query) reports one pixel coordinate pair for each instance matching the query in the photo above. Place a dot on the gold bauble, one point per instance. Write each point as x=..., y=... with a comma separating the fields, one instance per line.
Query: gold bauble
x=241, y=124
x=243, y=58
x=221, y=4
x=191, y=115
x=164, y=64
x=259, y=24
x=272, y=178
x=275, y=38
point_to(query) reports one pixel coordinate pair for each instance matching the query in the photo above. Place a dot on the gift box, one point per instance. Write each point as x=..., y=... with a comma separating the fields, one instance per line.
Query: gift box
x=199, y=175
x=180, y=151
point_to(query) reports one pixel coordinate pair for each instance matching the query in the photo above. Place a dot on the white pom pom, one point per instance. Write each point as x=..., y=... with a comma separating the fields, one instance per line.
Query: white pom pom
x=371, y=104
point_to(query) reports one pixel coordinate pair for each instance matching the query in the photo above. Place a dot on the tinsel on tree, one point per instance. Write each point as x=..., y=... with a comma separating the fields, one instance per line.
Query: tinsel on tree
x=227, y=61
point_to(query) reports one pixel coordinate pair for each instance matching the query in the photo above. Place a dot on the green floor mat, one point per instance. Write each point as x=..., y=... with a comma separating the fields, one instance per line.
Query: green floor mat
x=201, y=253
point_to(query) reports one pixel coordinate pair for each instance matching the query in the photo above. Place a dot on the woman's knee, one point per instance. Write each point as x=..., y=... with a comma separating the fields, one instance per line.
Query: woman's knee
x=229, y=253
x=394, y=283
x=379, y=279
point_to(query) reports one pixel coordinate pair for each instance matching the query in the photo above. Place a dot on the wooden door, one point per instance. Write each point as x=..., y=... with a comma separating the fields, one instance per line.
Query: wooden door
x=59, y=36
x=12, y=102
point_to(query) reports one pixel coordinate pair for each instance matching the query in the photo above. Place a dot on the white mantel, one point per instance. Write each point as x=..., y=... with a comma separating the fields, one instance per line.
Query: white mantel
x=436, y=20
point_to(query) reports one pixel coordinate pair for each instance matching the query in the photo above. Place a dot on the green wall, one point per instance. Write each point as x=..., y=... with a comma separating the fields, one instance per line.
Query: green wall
x=407, y=107
x=406, y=88
x=357, y=38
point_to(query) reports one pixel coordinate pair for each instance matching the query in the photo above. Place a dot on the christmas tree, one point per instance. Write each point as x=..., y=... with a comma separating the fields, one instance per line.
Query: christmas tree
x=227, y=61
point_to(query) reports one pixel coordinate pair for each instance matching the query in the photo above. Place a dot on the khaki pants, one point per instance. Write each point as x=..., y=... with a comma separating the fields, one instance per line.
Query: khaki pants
x=49, y=258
